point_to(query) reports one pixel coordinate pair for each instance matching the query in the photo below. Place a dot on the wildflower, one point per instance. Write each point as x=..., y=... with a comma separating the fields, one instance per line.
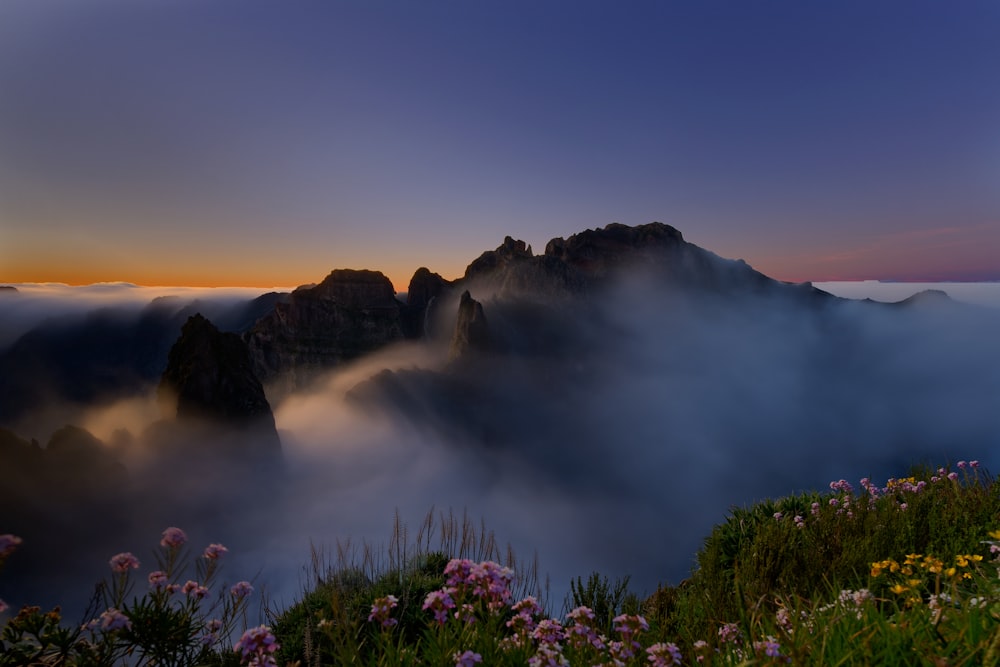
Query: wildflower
x=123, y=561
x=974, y=464
x=210, y=636
x=381, y=609
x=582, y=631
x=241, y=589
x=629, y=626
x=961, y=464
x=662, y=654
x=729, y=634
x=770, y=647
x=815, y=509
x=466, y=614
x=777, y=516
x=467, y=659
x=440, y=602
x=548, y=631
x=548, y=655
x=8, y=543
x=113, y=619
x=524, y=618
x=157, y=579
x=953, y=476
x=256, y=646
x=173, y=538
x=193, y=589
x=3, y=606
x=215, y=551
x=700, y=648
x=799, y=521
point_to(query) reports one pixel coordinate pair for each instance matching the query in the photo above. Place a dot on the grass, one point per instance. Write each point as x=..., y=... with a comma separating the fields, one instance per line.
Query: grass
x=904, y=573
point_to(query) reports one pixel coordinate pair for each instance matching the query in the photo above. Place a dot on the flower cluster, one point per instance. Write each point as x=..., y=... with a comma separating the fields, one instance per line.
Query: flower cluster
x=109, y=621
x=173, y=538
x=123, y=562
x=257, y=646
x=381, y=609
x=910, y=578
x=487, y=580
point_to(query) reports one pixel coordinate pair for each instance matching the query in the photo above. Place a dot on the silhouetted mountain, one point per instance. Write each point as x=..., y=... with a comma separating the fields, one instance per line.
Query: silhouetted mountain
x=210, y=388
x=349, y=314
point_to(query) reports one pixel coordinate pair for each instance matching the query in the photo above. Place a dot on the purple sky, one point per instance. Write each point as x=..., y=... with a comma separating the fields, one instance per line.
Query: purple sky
x=239, y=142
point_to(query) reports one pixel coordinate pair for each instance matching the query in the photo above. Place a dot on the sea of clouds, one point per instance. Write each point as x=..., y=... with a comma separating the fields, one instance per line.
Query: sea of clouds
x=619, y=462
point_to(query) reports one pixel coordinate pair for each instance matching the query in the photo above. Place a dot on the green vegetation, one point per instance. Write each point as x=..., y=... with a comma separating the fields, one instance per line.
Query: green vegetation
x=901, y=574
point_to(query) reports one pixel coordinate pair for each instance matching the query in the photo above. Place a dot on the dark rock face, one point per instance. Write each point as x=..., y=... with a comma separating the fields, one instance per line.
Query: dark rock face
x=596, y=256
x=472, y=333
x=210, y=376
x=422, y=302
x=344, y=317
x=424, y=287
x=7, y=289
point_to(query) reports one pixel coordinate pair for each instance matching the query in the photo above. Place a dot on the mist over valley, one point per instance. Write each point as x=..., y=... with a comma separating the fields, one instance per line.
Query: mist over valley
x=602, y=403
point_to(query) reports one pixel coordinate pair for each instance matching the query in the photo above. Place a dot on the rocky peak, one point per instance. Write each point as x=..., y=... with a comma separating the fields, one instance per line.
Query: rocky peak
x=349, y=314
x=351, y=288
x=218, y=398
x=209, y=374
x=598, y=250
x=511, y=251
x=424, y=286
x=472, y=333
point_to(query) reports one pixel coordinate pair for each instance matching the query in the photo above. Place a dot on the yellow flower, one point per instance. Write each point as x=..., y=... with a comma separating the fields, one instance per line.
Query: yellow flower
x=950, y=572
x=914, y=582
x=995, y=534
x=899, y=589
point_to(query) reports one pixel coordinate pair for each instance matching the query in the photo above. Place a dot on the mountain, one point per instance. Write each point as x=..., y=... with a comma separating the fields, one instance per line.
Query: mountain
x=210, y=389
x=349, y=314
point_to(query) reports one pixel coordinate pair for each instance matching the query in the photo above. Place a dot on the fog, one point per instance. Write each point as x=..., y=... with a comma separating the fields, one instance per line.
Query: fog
x=605, y=434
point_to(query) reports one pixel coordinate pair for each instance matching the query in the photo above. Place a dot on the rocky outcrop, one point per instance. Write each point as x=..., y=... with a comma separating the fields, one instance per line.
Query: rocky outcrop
x=424, y=288
x=472, y=333
x=422, y=302
x=7, y=289
x=209, y=384
x=344, y=317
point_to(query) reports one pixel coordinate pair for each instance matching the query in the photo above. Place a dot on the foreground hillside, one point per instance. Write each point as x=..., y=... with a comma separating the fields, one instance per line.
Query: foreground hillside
x=900, y=572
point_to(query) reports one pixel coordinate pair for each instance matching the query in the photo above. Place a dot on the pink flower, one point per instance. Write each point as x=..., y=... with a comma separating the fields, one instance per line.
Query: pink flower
x=3, y=606
x=953, y=476
x=194, y=589
x=215, y=551
x=663, y=655
x=381, y=609
x=256, y=646
x=173, y=538
x=8, y=543
x=123, y=561
x=158, y=579
x=113, y=619
x=440, y=602
x=548, y=631
x=241, y=590
x=467, y=659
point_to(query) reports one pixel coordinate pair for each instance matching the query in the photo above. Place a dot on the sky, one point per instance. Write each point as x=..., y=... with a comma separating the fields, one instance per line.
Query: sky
x=251, y=143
